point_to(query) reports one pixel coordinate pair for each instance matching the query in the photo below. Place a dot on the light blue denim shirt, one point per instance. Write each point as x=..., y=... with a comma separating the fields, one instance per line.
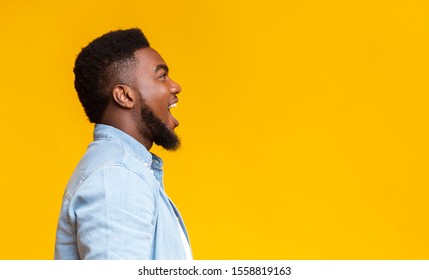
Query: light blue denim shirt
x=115, y=206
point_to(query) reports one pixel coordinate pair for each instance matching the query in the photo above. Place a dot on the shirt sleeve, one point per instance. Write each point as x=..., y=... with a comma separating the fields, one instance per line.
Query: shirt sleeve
x=115, y=214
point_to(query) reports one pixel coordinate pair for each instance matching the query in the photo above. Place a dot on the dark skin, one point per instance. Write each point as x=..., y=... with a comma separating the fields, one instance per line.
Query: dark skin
x=151, y=84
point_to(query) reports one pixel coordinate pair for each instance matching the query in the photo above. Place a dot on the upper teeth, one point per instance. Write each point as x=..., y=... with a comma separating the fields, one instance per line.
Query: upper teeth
x=172, y=105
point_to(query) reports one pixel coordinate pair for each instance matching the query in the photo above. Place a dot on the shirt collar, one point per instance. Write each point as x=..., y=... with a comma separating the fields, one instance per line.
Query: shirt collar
x=103, y=131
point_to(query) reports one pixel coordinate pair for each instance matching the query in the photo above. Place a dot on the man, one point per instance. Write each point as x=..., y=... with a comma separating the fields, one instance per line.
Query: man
x=115, y=206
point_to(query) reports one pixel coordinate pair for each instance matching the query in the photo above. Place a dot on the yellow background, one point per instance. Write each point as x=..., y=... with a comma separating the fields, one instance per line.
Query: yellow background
x=304, y=123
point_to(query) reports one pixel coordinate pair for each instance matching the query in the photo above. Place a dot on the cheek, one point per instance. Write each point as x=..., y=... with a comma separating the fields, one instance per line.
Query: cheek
x=158, y=102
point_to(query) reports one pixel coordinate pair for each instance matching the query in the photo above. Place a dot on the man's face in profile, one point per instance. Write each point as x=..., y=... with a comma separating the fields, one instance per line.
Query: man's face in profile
x=158, y=95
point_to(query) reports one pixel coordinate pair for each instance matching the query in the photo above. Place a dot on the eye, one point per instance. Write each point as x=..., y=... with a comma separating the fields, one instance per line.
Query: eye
x=163, y=76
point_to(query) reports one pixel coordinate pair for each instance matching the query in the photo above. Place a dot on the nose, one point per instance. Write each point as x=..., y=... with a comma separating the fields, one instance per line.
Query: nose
x=175, y=88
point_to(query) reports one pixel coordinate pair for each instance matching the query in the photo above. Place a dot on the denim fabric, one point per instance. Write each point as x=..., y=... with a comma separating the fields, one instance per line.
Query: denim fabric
x=115, y=206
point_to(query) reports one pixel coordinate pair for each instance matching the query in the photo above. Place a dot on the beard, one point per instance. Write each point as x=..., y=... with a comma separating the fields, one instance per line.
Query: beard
x=157, y=130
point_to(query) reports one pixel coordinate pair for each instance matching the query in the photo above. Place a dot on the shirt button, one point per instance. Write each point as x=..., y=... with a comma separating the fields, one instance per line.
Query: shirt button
x=145, y=164
x=151, y=171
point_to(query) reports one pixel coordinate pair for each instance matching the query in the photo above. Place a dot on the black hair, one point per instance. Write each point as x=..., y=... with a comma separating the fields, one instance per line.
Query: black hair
x=102, y=64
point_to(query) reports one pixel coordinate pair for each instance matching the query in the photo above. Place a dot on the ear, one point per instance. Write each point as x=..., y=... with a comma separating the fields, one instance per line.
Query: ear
x=123, y=96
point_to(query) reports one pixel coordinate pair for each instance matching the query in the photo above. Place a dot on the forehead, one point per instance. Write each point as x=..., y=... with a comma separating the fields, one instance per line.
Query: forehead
x=148, y=59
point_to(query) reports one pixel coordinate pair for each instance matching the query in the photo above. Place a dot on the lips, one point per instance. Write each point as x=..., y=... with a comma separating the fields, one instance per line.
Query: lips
x=173, y=103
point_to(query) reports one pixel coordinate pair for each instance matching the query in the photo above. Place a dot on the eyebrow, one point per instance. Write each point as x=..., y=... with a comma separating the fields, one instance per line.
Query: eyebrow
x=161, y=66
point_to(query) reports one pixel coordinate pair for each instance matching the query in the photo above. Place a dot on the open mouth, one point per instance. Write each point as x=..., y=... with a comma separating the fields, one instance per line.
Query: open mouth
x=173, y=104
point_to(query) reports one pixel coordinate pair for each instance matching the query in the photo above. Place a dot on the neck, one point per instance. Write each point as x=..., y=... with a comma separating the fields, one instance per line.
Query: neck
x=129, y=128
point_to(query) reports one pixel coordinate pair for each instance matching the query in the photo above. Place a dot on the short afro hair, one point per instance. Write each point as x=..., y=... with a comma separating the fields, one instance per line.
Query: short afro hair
x=102, y=64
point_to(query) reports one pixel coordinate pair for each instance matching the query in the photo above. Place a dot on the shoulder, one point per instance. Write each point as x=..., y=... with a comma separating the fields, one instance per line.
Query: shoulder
x=106, y=164
x=103, y=152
